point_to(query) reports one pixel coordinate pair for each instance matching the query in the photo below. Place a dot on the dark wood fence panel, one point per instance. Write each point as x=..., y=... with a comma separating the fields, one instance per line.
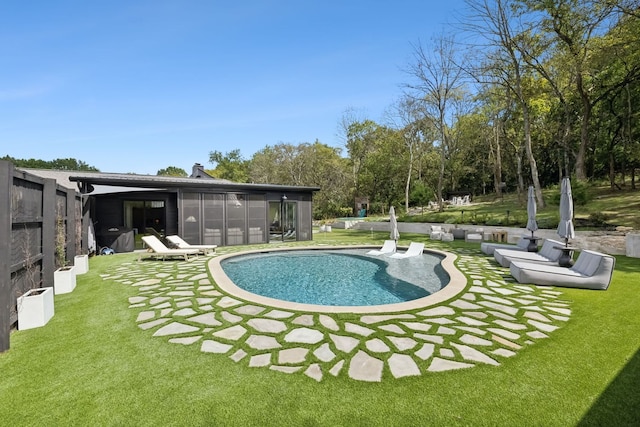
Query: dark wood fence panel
x=6, y=184
x=29, y=207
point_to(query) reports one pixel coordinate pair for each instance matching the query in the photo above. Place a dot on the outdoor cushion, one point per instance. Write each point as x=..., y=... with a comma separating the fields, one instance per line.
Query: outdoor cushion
x=488, y=247
x=157, y=249
x=592, y=270
x=548, y=254
x=180, y=243
x=436, y=232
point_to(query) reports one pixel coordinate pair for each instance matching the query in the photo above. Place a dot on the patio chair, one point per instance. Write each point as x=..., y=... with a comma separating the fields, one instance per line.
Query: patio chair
x=388, y=247
x=414, y=249
x=436, y=232
x=157, y=249
x=181, y=244
x=549, y=254
x=162, y=238
x=592, y=270
x=488, y=248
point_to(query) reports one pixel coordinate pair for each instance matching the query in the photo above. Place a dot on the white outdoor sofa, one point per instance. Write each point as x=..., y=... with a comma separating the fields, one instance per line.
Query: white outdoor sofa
x=548, y=254
x=592, y=270
x=488, y=247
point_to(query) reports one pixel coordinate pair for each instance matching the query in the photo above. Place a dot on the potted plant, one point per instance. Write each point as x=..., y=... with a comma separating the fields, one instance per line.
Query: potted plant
x=64, y=278
x=36, y=306
x=80, y=262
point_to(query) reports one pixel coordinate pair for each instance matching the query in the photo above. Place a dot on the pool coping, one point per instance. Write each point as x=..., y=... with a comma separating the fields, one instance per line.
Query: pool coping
x=457, y=283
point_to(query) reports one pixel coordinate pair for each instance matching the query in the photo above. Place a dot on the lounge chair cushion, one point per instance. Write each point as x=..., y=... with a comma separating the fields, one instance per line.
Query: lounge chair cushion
x=158, y=249
x=592, y=270
x=488, y=248
x=548, y=254
x=180, y=243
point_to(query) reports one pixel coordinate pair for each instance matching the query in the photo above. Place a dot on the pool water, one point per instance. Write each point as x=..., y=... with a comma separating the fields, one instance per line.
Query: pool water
x=337, y=277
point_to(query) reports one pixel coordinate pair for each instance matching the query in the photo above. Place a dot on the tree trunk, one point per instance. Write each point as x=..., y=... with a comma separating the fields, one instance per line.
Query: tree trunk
x=406, y=189
x=581, y=173
x=497, y=165
x=532, y=160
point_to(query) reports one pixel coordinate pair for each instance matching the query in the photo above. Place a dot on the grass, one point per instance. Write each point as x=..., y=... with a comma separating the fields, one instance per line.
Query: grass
x=615, y=208
x=92, y=365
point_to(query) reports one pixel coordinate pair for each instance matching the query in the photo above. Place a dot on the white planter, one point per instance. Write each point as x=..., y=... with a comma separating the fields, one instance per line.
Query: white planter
x=327, y=228
x=64, y=280
x=632, y=242
x=35, y=308
x=81, y=264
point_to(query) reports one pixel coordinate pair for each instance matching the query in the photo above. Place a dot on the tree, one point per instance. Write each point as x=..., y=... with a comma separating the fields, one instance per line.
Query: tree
x=69, y=164
x=172, y=171
x=506, y=65
x=231, y=165
x=575, y=25
x=314, y=165
x=414, y=129
x=438, y=85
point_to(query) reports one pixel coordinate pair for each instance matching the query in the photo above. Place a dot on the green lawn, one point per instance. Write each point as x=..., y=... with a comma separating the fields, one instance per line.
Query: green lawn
x=92, y=365
x=594, y=202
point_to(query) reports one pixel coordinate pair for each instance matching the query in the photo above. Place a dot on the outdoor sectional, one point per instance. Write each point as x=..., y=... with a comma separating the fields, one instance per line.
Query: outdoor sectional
x=592, y=270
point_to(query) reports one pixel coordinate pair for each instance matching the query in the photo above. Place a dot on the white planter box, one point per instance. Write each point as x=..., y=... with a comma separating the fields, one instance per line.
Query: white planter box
x=81, y=264
x=632, y=242
x=35, y=308
x=64, y=280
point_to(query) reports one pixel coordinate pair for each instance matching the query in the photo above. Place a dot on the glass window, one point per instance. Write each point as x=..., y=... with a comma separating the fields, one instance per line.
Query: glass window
x=236, y=219
x=191, y=218
x=213, y=219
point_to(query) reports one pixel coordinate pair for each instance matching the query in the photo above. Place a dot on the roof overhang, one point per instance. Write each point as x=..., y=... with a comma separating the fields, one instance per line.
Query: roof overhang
x=156, y=182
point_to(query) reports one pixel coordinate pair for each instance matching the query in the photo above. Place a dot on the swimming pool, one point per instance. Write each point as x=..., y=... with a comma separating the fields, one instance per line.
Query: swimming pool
x=282, y=274
x=338, y=277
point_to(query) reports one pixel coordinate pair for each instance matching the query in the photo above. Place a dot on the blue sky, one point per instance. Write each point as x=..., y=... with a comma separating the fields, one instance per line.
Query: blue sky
x=136, y=86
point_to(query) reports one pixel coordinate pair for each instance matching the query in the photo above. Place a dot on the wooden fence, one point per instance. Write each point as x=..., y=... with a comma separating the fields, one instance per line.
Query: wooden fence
x=34, y=212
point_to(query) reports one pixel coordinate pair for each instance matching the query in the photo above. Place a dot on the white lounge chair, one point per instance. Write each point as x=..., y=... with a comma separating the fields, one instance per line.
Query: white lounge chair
x=157, y=249
x=592, y=270
x=548, y=254
x=388, y=247
x=414, y=249
x=488, y=247
x=181, y=244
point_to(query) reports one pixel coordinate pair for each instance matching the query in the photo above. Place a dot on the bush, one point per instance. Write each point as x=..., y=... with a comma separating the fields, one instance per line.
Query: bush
x=580, y=191
x=598, y=219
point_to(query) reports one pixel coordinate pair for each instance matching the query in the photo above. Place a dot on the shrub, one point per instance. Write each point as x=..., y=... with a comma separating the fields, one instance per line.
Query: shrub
x=580, y=191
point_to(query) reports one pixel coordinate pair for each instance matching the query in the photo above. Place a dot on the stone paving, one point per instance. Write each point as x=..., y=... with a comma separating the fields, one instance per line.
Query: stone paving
x=490, y=321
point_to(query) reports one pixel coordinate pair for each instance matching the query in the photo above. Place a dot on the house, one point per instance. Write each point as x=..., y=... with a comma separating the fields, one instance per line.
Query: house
x=200, y=208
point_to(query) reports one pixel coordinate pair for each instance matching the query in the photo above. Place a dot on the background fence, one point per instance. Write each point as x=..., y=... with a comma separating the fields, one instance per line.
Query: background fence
x=40, y=230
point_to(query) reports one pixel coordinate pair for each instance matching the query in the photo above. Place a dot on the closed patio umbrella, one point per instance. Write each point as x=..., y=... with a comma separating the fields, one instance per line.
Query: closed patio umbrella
x=565, y=227
x=395, y=234
x=532, y=224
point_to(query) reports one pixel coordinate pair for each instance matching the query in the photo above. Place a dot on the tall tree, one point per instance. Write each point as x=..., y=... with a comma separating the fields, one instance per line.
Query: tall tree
x=439, y=79
x=409, y=119
x=494, y=21
x=172, y=171
x=231, y=165
x=575, y=25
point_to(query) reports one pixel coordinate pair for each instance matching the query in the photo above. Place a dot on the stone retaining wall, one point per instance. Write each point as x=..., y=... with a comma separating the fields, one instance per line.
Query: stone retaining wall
x=610, y=242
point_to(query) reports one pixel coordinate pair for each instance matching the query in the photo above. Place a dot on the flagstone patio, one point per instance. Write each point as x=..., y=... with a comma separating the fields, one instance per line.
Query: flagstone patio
x=488, y=322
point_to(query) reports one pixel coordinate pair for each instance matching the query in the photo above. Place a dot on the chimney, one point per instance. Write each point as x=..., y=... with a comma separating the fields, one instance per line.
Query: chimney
x=198, y=171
